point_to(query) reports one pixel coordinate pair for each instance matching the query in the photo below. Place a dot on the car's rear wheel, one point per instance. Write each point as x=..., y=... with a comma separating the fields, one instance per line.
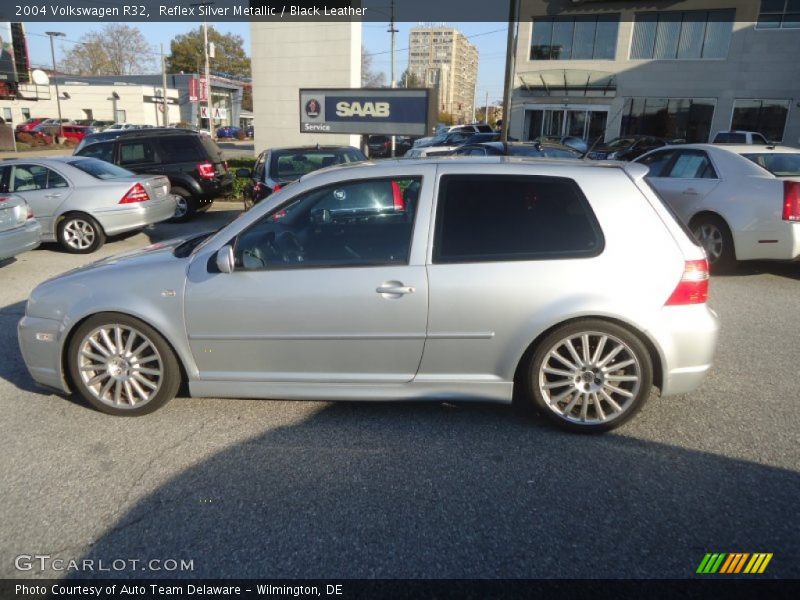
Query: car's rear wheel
x=185, y=205
x=80, y=234
x=589, y=376
x=715, y=237
x=122, y=366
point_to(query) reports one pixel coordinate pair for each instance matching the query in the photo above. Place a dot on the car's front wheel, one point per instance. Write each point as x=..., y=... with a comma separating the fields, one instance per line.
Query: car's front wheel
x=589, y=376
x=80, y=234
x=122, y=366
x=185, y=205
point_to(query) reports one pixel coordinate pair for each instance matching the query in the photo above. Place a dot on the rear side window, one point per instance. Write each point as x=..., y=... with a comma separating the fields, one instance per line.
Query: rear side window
x=176, y=149
x=692, y=164
x=657, y=161
x=730, y=138
x=487, y=218
x=138, y=152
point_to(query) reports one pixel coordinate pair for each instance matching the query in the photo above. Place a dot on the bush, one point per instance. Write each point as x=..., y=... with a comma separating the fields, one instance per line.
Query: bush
x=240, y=184
x=23, y=146
x=241, y=135
x=70, y=143
x=24, y=137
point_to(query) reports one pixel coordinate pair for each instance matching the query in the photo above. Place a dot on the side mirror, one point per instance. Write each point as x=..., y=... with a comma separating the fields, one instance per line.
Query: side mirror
x=225, y=259
x=243, y=173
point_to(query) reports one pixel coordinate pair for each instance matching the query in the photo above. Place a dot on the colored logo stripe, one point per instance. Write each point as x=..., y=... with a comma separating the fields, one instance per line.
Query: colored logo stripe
x=724, y=563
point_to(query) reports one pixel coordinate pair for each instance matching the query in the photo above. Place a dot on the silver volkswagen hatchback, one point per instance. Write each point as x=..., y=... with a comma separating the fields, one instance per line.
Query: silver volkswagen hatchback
x=456, y=278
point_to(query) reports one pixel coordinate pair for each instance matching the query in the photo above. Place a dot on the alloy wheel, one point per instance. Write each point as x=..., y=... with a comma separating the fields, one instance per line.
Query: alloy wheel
x=711, y=238
x=181, y=207
x=590, y=378
x=120, y=366
x=79, y=234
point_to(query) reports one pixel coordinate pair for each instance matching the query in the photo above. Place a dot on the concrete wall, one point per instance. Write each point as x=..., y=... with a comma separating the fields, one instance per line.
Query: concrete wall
x=290, y=56
x=97, y=98
x=761, y=64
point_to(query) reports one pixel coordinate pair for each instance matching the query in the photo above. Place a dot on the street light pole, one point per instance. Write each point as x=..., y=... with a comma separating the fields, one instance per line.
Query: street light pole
x=393, y=30
x=208, y=68
x=53, y=34
x=511, y=58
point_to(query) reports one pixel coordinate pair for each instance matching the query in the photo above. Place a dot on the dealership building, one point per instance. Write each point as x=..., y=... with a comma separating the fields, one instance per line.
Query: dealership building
x=682, y=69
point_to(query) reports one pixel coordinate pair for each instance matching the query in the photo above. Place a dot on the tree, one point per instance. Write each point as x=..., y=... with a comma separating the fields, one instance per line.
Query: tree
x=370, y=78
x=446, y=118
x=409, y=79
x=186, y=53
x=116, y=49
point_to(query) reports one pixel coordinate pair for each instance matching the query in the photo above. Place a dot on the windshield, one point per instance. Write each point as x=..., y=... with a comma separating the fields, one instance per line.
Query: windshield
x=620, y=143
x=293, y=164
x=100, y=169
x=780, y=164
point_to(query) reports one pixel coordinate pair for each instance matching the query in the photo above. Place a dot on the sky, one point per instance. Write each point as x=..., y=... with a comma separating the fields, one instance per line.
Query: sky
x=489, y=38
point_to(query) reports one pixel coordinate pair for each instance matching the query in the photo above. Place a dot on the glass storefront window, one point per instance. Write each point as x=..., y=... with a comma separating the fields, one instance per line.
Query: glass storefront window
x=767, y=117
x=585, y=37
x=670, y=118
x=693, y=34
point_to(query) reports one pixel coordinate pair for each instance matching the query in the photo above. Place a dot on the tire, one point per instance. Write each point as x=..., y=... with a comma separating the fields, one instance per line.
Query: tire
x=186, y=207
x=122, y=383
x=715, y=237
x=588, y=392
x=80, y=234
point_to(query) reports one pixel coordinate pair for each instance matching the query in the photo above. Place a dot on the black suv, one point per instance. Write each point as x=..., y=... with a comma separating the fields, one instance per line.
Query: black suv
x=192, y=162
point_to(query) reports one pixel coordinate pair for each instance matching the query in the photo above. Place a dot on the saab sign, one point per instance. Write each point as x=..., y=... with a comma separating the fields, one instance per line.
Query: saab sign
x=367, y=111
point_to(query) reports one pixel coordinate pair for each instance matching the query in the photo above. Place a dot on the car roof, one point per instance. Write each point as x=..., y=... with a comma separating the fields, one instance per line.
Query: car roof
x=307, y=148
x=634, y=169
x=738, y=148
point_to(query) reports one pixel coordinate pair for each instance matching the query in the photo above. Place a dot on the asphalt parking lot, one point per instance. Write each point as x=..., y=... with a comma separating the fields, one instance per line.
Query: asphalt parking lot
x=314, y=489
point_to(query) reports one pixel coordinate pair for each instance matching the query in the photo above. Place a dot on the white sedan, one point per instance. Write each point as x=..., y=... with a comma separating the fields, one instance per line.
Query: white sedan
x=742, y=202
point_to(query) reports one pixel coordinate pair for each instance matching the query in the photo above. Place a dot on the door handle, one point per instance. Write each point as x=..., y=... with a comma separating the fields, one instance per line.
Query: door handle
x=690, y=192
x=52, y=196
x=392, y=288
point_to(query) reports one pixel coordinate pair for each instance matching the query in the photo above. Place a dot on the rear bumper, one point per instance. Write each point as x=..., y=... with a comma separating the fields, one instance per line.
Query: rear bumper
x=19, y=240
x=40, y=341
x=686, y=338
x=216, y=188
x=135, y=216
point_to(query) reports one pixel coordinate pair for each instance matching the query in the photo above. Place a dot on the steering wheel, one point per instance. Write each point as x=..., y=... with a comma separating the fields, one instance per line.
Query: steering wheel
x=290, y=248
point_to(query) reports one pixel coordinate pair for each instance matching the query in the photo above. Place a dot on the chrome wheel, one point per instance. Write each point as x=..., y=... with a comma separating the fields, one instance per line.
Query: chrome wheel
x=712, y=240
x=120, y=366
x=590, y=378
x=79, y=234
x=181, y=207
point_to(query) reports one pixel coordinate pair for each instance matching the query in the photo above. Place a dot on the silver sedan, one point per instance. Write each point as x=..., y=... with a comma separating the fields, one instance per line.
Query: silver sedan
x=19, y=231
x=79, y=201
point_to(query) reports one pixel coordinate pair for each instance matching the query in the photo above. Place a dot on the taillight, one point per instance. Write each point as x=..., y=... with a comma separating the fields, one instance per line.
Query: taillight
x=206, y=170
x=693, y=286
x=791, y=200
x=397, y=197
x=136, y=194
x=30, y=213
x=277, y=188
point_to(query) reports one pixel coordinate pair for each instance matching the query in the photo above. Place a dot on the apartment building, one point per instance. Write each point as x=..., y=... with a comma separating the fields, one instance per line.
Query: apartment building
x=443, y=58
x=679, y=69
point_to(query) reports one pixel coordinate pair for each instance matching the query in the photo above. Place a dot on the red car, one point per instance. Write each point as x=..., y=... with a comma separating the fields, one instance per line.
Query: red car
x=28, y=125
x=76, y=132
x=70, y=132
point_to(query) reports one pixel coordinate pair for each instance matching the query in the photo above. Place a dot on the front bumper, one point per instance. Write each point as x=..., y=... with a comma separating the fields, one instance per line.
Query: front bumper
x=19, y=240
x=686, y=338
x=135, y=216
x=40, y=341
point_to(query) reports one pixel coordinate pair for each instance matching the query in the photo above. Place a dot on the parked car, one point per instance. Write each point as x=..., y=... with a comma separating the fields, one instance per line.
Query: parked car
x=121, y=127
x=742, y=202
x=739, y=137
x=19, y=230
x=250, y=131
x=80, y=201
x=573, y=141
x=76, y=133
x=626, y=147
x=537, y=149
x=62, y=121
x=443, y=130
x=379, y=146
x=228, y=132
x=276, y=168
x=28, y=125
x=349, y=285
x=47, y=133
x=447, y=144
x=192, y=162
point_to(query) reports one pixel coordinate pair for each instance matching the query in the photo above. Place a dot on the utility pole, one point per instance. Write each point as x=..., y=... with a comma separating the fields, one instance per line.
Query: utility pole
x=486, y=117
x=208, y=75
x=511, y=58
x=164, y=86
x=53, y=34
x=393, y=30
